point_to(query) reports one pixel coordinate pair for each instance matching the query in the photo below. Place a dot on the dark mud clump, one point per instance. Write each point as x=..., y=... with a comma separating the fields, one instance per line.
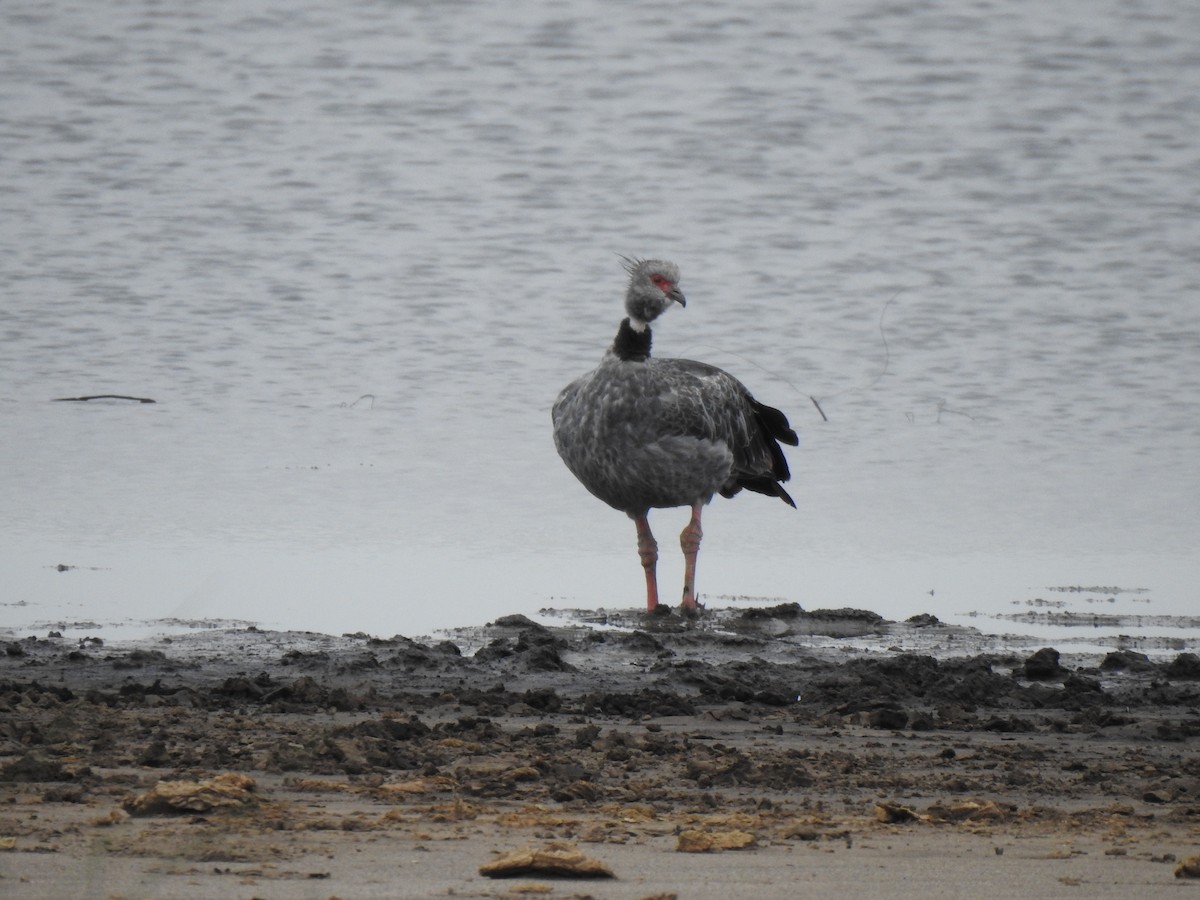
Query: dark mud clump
x=681, y=714
x=1043, y=665
x=1186, y=666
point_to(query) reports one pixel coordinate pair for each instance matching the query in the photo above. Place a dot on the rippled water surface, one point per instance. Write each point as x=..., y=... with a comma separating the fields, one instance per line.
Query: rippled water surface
x=354, y=250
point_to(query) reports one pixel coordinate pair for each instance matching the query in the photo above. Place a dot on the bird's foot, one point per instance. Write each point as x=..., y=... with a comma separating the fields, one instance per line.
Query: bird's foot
x=691, y=607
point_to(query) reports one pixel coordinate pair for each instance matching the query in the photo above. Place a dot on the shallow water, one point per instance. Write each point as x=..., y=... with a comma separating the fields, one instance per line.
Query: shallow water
x=353, y=255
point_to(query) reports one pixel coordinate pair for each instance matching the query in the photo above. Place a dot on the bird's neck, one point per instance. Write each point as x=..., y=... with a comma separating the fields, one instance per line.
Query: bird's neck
x=632, y=344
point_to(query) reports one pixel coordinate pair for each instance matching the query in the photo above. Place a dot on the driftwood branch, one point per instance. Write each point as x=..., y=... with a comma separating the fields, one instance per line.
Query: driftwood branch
x=103, y=397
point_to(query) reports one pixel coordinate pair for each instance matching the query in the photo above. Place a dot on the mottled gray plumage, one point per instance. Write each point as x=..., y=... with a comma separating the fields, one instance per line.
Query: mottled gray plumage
x=642, y=433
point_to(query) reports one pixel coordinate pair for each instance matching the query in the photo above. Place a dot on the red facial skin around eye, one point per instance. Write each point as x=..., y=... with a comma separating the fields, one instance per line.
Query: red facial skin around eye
x=661, y=282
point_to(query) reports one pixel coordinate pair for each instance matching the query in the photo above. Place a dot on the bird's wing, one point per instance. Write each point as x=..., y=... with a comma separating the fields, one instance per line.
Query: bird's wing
x=704, y=402
x=701, y=401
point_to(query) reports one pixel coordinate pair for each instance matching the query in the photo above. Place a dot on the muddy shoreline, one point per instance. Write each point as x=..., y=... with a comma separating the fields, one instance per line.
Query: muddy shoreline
x=393, y=767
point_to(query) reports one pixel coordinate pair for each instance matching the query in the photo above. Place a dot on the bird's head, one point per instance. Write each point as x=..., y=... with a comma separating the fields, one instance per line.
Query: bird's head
x=653, y=287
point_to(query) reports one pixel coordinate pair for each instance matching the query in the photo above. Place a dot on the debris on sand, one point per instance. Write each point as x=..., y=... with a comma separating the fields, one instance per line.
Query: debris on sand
x=557, y=859
x=969, y=811
x=893, y=813
x=732, y=727
x=1189, y=868
x=229, y=790
x=694, y=841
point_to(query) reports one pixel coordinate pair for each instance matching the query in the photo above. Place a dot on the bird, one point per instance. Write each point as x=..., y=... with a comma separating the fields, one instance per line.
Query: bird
x=643, y=433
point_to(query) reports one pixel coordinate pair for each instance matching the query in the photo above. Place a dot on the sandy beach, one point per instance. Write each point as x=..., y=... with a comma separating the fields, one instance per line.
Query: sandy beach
x=731, y=756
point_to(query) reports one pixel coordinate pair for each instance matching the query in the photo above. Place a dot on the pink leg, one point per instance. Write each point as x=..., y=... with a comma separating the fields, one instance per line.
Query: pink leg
x=689, y=540
x=648, y=551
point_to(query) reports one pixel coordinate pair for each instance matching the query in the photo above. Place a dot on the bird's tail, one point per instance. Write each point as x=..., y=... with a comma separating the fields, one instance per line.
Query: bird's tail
x=773, y=427
x=768, y=486
x=774, y=423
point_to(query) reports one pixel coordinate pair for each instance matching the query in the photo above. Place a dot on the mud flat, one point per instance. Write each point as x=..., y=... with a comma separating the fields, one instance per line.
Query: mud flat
x=756, y=752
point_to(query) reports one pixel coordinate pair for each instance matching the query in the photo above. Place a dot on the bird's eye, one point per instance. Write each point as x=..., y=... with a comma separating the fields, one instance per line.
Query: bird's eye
x=660, y=280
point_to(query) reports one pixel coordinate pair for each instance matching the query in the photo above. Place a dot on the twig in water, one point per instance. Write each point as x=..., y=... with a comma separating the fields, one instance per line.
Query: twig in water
x=370, y=397
x=887, y=356
x=887, y=359
x=942, y=407
x=887, y=351
x=103, y=397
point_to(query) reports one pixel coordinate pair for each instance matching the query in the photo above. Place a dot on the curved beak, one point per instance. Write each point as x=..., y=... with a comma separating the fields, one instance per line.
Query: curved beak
x=677, y=295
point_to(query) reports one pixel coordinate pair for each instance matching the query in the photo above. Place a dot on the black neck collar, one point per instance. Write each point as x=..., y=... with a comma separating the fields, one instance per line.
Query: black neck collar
x=630, y=345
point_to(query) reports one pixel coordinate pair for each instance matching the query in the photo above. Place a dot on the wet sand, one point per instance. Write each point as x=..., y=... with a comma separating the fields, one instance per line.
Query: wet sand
x=733, y=756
